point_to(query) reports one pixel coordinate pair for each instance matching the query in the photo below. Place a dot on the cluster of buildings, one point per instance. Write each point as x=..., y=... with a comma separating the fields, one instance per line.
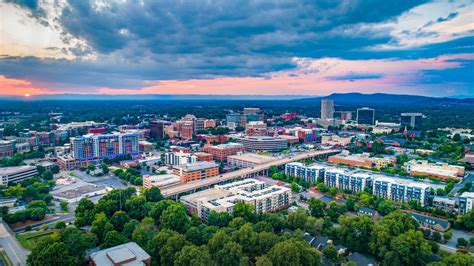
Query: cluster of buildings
x=387, y=187
x=223, y=198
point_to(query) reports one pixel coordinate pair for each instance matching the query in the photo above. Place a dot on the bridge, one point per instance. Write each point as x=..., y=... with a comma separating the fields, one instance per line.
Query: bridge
x=176, y=192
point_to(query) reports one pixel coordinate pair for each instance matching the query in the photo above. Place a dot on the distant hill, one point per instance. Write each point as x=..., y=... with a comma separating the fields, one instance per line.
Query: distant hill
x=386, y=99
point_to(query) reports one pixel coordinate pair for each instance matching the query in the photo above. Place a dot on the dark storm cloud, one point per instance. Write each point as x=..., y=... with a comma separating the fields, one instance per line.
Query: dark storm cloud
x=156, y=40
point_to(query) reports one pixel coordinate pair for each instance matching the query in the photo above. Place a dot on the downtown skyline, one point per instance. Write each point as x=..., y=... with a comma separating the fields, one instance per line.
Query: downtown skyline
x=229, y=48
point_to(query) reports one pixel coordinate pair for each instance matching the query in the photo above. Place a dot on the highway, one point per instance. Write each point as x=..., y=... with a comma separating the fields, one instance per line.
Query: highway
x=176, y=191
x=15, y=252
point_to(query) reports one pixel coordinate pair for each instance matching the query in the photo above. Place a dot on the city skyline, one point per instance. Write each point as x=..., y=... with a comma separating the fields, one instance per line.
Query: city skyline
x=229, y=48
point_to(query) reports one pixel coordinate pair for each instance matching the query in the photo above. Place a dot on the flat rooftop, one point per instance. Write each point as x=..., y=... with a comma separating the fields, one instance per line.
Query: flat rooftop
x=253, y=158
x=15, y=169
x=190, y=167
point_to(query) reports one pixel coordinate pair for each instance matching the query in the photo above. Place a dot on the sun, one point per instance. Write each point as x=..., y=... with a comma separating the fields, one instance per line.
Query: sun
x=27, y=95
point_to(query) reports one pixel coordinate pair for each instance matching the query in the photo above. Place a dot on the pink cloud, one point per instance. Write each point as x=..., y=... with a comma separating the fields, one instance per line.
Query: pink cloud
x=312, y=77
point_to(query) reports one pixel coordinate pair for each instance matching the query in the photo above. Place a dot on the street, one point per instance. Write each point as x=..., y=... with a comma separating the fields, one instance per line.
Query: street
x=15, y=252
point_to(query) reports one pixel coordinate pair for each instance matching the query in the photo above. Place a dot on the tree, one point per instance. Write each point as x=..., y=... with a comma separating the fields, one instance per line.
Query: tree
x=193, y=255
x=129, y=227
x=314, y=226
x=462, y=242
x=112, y=239
x=217, y=242
x=355, y=232
x=100, y=226
x=64, y=205
x=37, y=214
x=77, y=242
x=385, y=207
x=219, y=219
x=458, y=259
x=297, y=219
x=50, y=252
x=119, y=219
x=48, y=175
x=448, y=235
x=292, y=252
x=144, y=232
x=60, y=225
x=175, y=218
x=330, y=253
x=153, y=194
x=332, y=191
x=295, y=187
x=137, y=207
x=159, y=241
x=55, y=169
x=231, y=254
x=263, y=261
x=456, y=137
x=387, y=228
x=409, y=248
x=173, y=245
x=317, y=207
x=436, y=236
x=246, y=211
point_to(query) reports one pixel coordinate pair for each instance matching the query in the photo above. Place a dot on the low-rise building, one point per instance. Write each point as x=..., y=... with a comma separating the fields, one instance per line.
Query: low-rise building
x=355, y=160
x=126, y=254
x=263, y=143
x=203, y=156
x=429, y=222
x=245, y=160
x=222, y=151
x=16, y=174
x=161, y=181
x=336, y=140
x=439, y=170
x=196, y=171
x=177, y=158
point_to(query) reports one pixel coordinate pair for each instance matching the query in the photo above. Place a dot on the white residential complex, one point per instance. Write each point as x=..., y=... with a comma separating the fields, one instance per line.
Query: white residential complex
x=223, y=198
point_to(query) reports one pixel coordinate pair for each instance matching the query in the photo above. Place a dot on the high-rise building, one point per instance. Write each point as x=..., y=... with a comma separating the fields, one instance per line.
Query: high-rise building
x=233, y=120
x=366, y=116
x=327, y=109
x=157, y=128
x=186, y=129
x=412, y=120
x=89, y=147
x=199, y=124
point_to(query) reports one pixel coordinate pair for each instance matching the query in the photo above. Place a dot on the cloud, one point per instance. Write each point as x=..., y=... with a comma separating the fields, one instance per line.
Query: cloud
x=126, y=45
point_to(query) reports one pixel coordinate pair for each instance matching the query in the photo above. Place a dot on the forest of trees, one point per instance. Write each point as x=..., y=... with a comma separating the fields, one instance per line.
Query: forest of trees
x=172, y=237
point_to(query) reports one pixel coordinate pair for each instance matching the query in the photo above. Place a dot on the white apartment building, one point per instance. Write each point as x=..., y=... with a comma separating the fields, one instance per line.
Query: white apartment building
x=223, y=198
x=177, y=158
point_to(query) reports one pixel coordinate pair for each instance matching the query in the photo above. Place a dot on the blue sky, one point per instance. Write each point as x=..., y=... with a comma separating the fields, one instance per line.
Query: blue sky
x=237, y=47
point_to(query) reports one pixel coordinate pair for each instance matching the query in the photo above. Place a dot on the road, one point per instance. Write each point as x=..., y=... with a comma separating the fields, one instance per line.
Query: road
x=15, y=252
x=458, y=186
x=178, y=190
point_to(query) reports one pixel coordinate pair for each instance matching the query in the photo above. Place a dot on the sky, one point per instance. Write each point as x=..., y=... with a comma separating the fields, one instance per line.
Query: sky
x=237, y=47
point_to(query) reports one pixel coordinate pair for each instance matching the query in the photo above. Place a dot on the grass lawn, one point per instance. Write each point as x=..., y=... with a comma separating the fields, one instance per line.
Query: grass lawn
x=28, y=240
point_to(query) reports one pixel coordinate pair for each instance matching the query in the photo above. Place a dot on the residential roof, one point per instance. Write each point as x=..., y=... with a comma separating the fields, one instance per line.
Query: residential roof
x=361, y=259
x=430, y=220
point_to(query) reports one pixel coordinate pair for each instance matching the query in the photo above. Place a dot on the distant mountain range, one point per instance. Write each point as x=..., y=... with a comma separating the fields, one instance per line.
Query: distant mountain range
x=339, y=98
x=387, y=99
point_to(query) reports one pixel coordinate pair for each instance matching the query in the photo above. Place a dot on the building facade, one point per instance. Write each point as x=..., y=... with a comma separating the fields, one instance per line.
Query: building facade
x=308, y=173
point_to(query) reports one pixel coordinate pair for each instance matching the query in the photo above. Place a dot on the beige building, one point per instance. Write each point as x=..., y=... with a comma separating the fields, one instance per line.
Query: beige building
x=439, y=170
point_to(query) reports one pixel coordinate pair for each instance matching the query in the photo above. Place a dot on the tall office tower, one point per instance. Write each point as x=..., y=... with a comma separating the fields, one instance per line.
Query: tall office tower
x=366, y=116
x=157, y=128
x=412, y=120
x=233, y=120
x=199, y=124
x=327, y=109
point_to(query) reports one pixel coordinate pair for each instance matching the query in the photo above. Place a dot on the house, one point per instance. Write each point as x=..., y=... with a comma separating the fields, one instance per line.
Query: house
x=126, y=254
x=374, y=214
x=361, y=259
x=429, y=222
x=397, y=142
